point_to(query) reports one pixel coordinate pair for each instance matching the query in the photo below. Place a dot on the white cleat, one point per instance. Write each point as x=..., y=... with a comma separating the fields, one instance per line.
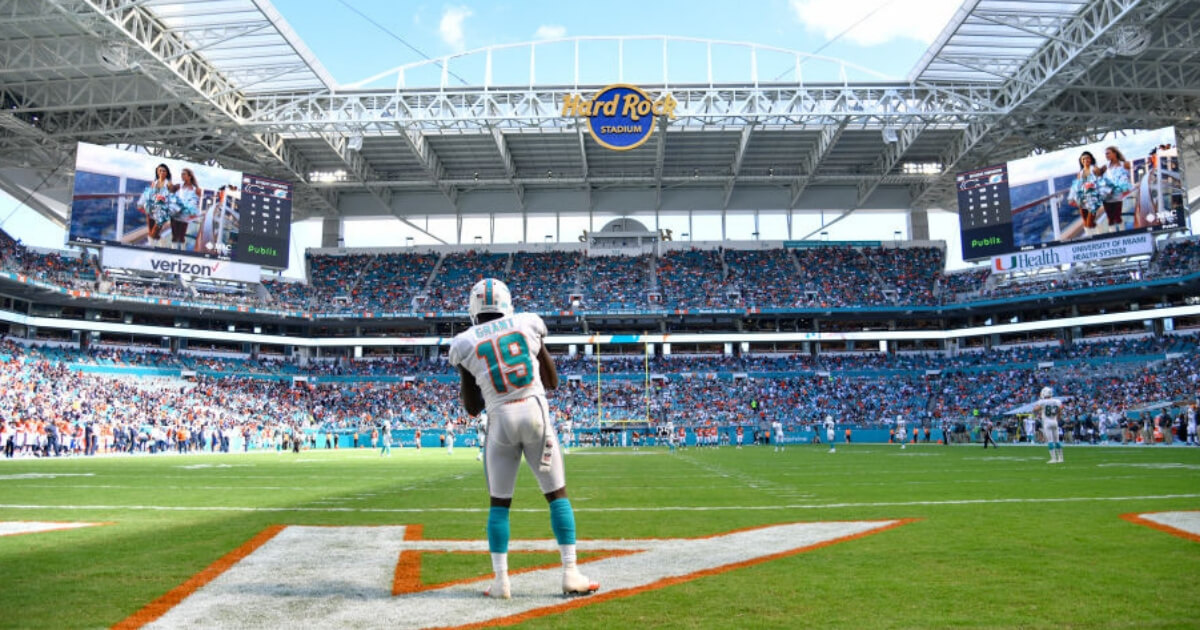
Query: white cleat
x=576, y=583
x=833, y=450
x=500, y=589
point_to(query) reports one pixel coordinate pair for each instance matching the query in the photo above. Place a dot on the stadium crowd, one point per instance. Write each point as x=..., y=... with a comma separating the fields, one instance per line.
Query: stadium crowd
x=48, y=406
x=824, y=277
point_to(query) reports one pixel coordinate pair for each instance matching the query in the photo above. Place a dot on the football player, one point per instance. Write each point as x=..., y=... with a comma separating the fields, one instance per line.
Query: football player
x=481, y=434
x=568, y=435
x=450, y=438
x=386, y=439
x=901, y=433
x=1050, y=408
x=829, y=434
x=506, y=369
x=777, y=430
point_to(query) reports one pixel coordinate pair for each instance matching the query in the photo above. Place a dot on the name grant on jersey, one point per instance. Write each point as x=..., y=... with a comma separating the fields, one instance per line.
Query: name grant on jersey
x=488, y=329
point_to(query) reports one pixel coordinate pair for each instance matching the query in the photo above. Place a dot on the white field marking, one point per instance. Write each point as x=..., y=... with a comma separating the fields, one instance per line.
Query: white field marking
x=1006, y=458
x=1183, y=521
x=342, y=577
x=12, y=528
x=660, y=508
x=1152, y=466
x=44, y=475
x=203, y=466
x=620, y=453
x=157, y=487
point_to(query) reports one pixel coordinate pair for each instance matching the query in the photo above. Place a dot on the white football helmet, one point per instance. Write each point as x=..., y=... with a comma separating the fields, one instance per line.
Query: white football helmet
x=490, y=296
x=1047, y=392
x=828, y=418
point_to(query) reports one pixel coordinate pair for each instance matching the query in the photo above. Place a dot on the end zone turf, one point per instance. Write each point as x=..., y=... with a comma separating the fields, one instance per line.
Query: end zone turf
x=993, y=533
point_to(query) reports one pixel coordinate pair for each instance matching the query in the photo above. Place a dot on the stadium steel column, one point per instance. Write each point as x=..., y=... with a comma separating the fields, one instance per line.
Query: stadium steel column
x=647, y=390
x=599, y=410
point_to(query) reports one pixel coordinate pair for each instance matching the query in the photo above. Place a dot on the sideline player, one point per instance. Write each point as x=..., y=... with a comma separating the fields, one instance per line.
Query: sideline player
x=450, y=438
x=385, y=440
x=568, y=436
x=481, y=434
x=777, y=430
x=901, y=432
x=829, y=432
x=506, y=369
x=1050, y=408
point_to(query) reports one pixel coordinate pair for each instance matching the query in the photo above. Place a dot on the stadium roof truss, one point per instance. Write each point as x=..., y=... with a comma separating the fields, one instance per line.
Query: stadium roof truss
x=228, y=82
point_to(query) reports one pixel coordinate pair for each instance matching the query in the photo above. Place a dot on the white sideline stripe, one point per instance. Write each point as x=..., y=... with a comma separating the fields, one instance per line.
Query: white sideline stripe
x=661, y=508
x=12, y=528
x=1184, y=521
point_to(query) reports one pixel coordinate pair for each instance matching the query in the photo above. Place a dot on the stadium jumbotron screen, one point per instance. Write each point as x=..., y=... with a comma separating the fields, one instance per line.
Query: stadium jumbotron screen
x=1121, y=185
x=143, y=201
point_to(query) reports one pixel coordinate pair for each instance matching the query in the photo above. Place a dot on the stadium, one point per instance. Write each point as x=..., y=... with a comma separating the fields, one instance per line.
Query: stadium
x=808, y=328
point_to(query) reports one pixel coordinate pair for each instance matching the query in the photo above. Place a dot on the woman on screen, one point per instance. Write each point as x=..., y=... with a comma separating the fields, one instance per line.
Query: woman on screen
x=188, y=207
x=156, y=202
x=1086, y=192
x=1117, y=184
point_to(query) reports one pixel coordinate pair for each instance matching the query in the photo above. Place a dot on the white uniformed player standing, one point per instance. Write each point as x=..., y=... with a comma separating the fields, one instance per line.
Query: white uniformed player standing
x=829, y=433
x=1191, y=425
x=481, y=434
x=1050, y=408
x=385, y=439
x=506, y=368
x=901, y=431
x=450, y=437
x=777, y=429
x=568, y=437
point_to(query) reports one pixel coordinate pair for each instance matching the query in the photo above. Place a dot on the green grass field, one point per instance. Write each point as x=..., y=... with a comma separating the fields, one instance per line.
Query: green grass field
x=987, y=549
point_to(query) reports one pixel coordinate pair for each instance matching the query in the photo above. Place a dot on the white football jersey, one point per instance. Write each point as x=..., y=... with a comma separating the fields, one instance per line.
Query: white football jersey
x=777, y=427
x=502, y=356
x=1051, y=409
x=829, y=425
x=901, y=423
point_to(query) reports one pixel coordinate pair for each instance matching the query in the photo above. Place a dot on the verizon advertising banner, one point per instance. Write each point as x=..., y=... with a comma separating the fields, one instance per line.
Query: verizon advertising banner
x=166, y=262
x=1084, y=251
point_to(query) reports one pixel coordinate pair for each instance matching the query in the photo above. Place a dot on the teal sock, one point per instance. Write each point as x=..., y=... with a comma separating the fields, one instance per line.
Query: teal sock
x=562, y=521
x=497, y=529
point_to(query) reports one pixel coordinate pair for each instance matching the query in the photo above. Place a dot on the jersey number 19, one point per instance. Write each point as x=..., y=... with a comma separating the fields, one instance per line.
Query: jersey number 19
x=508, y=361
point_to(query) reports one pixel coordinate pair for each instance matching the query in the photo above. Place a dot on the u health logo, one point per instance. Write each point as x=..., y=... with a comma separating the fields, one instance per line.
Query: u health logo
x=620, y=117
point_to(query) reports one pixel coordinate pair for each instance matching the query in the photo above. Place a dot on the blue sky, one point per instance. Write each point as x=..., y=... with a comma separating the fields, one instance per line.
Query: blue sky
x=890, y=39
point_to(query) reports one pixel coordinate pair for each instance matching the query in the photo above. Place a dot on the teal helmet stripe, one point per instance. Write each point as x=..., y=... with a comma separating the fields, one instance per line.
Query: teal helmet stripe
x=488, y=300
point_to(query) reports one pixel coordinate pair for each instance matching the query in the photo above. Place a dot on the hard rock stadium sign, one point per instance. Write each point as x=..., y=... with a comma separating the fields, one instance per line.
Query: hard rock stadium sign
x=620, y=117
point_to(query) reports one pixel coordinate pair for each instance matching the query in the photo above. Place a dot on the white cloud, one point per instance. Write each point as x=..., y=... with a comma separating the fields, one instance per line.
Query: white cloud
x=550, y=31
x=451, y=26
x=920, y=20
